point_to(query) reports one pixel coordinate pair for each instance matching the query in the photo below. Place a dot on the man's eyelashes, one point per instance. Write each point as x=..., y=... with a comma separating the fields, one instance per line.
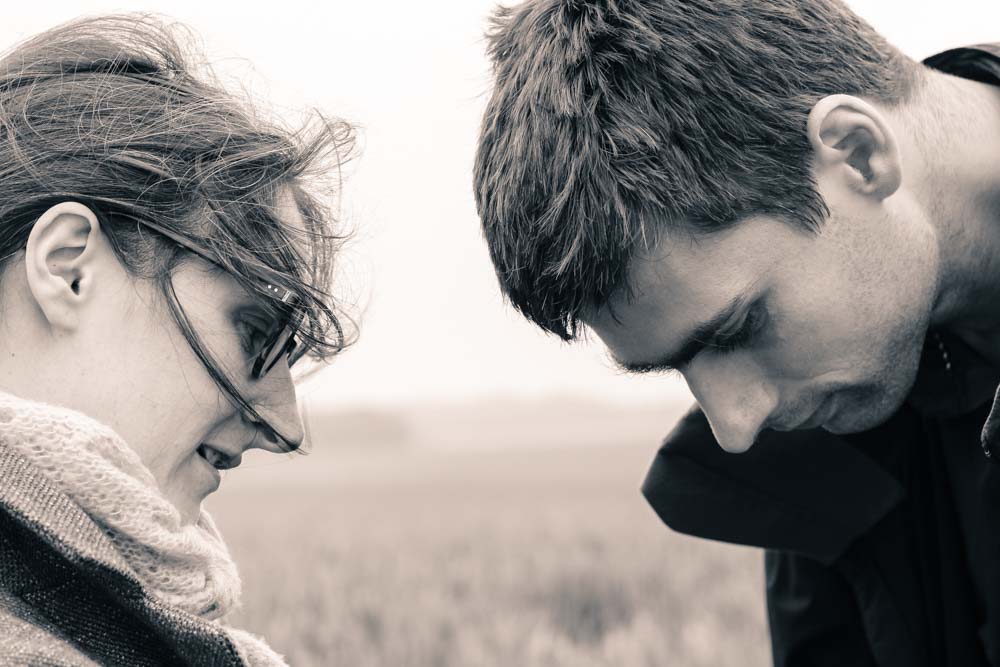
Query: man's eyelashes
x=743, y=335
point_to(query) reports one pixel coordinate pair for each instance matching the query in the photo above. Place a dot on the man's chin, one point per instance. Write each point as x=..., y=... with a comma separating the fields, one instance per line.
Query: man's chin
x=859, y=416
x=838, y=429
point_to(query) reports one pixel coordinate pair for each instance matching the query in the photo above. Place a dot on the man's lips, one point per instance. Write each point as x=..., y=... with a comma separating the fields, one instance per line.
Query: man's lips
x=817, y=418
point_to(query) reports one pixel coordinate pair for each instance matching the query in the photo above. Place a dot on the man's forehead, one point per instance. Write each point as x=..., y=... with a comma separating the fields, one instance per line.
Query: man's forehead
x=640, y=322
x=669, y=279
x=675, y=288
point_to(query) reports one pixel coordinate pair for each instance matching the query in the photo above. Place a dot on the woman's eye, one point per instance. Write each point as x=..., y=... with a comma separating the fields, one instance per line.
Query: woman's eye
x=253, y=337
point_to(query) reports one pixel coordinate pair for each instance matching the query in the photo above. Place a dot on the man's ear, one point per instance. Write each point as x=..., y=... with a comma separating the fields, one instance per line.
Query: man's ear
x=852, y=137
x=59, y=260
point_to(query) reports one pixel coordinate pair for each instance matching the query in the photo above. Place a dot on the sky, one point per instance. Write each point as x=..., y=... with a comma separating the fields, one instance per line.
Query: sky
x=413, y=78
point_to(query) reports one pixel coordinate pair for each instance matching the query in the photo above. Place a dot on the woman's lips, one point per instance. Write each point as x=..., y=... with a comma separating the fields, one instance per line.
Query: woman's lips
x=219, y=458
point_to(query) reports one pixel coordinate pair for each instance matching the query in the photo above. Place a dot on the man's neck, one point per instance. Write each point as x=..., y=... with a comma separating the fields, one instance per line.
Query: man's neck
x=954, y=143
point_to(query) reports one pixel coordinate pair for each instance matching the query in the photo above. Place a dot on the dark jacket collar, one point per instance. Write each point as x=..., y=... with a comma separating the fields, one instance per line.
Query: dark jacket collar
x=953, y=378
x=968, y=62
x=808, y=491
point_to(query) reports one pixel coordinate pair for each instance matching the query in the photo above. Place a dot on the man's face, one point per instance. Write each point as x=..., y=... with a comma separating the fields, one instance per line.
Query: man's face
x=817, y=329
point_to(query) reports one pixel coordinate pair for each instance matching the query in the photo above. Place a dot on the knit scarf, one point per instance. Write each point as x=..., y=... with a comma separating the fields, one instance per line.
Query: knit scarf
x=184, y=565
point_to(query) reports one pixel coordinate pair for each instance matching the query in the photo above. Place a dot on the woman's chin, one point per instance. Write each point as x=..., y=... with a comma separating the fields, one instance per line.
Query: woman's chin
x=201, y=479
x=198, y=484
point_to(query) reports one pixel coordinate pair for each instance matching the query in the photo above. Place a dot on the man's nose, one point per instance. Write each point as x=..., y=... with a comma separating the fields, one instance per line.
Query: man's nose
x=735, y=396
x=276, y=402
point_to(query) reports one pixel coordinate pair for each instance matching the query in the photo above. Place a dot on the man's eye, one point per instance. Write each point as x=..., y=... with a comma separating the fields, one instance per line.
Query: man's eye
x=745, y=334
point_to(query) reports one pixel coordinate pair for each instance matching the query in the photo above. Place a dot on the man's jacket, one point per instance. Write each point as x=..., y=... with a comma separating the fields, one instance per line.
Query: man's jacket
x=844, y=585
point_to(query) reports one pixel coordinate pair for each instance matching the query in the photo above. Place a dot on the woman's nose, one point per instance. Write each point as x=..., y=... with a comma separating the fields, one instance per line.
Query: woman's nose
x=735, y=396
x=276, y=402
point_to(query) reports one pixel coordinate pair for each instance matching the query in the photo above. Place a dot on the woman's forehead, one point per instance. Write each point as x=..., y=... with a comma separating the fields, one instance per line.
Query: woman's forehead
x=289, y=212
x=291, y=242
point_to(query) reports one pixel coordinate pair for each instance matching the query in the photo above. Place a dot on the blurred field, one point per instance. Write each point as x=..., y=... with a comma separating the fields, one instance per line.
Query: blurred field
x=500, y=557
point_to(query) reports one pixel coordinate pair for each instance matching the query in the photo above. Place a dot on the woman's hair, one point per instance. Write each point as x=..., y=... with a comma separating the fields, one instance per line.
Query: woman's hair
x=113, y=112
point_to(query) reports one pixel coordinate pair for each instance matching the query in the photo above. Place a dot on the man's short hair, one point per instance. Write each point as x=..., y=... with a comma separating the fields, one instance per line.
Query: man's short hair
x=612, y=120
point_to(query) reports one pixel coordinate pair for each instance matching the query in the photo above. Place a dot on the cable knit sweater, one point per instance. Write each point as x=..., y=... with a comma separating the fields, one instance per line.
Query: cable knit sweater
x=94, y=568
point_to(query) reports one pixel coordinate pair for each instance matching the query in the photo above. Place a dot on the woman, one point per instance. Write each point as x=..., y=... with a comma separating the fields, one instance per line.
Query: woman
x=163, y=263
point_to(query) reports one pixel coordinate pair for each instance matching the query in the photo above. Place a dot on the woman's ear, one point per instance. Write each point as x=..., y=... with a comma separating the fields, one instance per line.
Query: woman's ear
x=64, y=247
x=853, y=140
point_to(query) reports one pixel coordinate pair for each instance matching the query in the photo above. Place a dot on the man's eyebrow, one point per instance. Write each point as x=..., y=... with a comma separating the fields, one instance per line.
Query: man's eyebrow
x=700, y=337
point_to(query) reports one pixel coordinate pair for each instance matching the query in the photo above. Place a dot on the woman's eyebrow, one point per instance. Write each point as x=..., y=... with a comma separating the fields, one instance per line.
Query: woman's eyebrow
x=253, y=305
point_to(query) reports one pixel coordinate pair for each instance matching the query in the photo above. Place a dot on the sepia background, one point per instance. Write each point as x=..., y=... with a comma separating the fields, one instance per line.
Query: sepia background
x=472, y=493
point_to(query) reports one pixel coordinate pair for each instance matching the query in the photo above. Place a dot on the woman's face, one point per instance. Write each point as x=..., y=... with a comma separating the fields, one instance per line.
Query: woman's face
x=103, y=342
x=169, y=410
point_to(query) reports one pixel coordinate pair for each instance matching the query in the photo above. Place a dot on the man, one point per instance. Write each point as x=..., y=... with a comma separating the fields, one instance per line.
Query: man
x=770, y=199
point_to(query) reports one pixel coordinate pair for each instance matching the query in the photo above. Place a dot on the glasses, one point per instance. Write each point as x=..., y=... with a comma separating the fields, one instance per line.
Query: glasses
x=281, y=342
x=281, y=339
